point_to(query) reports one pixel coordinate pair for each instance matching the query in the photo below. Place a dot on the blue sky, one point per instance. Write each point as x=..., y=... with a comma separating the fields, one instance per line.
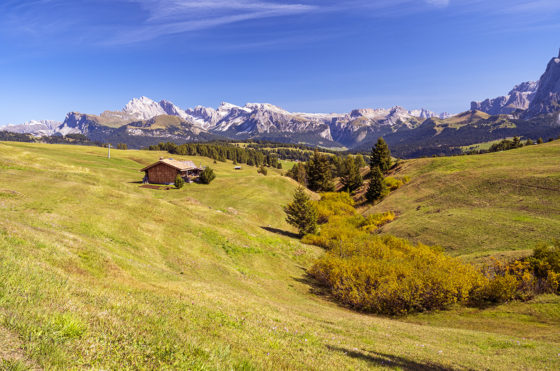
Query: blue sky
x=58, y=56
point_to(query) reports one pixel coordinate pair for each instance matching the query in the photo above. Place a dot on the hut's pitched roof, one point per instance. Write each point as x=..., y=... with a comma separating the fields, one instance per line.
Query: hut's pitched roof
x=179, y=165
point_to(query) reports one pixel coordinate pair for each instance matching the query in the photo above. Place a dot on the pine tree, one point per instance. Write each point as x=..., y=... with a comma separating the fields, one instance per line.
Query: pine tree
x=377, y=188
x=351, y=178
x=540, y=141
x=319, y=176
x=380, y=156
x=301, y=213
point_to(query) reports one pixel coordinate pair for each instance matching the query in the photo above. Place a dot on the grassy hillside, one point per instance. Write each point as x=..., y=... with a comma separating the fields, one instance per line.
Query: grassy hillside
x=96, y=272
x=475, y=206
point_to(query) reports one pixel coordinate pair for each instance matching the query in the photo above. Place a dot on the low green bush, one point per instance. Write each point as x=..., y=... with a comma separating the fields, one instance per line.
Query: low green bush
x=179, y=182
x=207, y=175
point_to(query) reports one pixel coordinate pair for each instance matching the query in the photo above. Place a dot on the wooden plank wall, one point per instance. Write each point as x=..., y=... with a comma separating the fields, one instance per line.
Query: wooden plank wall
x=162, y=174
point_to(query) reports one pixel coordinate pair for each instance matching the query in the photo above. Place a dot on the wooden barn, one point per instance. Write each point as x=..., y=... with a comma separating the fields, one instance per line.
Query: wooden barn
x=165, y=171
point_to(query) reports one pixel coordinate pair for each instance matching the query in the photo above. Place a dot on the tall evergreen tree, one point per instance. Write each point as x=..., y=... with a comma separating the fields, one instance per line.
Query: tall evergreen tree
x=319, y=176
x=301, y=213
x=380, y=156
x=351, y=178
x=377, y=188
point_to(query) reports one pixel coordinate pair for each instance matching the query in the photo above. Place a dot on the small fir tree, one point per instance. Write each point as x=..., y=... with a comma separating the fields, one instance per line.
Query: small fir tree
x=207, y=175
x=380, y=156
x=377, y=188
x=179, y=182
x=529, y=142
x=301, y=213
x=540, y=141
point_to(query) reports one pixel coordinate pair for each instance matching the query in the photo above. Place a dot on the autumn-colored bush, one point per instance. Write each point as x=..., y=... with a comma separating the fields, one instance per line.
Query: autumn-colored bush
x=521, y=279
x=395, y=183
x=374, y=221
x=334, y=204
x=388, y=275
x=339, y=229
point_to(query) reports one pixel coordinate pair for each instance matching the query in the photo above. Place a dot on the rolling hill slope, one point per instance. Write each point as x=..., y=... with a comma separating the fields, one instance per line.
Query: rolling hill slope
x=476, y=206
x=96, y=272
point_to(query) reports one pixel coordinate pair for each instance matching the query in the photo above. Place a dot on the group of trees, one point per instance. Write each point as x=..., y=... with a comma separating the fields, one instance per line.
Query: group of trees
x=319, y=172
x=507, y=144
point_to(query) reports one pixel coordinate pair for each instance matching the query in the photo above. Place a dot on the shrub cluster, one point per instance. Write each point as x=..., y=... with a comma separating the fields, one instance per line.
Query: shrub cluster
x=521, y=279
x=388, y=275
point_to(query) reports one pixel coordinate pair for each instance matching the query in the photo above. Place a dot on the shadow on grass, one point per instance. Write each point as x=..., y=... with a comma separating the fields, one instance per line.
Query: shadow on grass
x=316, y=288
x=388, y=360
x=281, y=232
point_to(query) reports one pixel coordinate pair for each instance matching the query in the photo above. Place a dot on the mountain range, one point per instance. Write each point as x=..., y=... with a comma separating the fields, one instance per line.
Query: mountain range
x=530, y=110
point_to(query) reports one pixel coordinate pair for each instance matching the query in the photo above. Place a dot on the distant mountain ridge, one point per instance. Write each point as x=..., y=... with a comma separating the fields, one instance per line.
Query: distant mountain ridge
x=530, y=110
x=254, y=120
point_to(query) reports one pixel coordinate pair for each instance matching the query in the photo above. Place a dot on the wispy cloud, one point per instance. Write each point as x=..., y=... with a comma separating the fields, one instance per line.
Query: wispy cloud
x=438, y=3
x=167, y=17
x=122, y=22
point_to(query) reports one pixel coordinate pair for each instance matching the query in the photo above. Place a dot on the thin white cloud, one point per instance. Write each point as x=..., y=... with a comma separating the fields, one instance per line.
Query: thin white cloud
x=168, y=17
x=65, y=21
x=438, y=3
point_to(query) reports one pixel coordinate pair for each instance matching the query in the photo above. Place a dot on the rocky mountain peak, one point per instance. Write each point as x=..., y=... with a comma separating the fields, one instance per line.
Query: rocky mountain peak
x=143, y=108
x=547, y=96
x=519, y=98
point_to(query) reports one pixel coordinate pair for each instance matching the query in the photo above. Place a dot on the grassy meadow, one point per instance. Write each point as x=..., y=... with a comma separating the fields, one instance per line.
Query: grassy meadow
x=496, y=204
x=97, y=272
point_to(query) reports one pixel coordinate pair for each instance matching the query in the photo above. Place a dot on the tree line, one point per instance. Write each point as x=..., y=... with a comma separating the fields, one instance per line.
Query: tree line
x=221, y=152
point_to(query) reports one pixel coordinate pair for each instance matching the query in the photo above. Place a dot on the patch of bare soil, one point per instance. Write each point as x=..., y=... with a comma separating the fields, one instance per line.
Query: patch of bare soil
x=11, y=352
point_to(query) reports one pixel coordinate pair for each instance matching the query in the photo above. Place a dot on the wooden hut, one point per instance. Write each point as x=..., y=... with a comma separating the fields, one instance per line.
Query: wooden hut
x=166, y=170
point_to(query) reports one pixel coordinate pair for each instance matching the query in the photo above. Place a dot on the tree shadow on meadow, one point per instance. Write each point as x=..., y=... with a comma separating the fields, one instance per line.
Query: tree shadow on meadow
x=388, y=360
x=281, y=232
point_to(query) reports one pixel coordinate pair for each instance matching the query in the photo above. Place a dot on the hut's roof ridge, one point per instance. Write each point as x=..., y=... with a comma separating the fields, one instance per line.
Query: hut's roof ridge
x=179, y=165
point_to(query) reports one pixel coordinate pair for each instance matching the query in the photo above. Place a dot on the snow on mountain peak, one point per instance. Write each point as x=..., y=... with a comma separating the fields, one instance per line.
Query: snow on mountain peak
x=143, y=108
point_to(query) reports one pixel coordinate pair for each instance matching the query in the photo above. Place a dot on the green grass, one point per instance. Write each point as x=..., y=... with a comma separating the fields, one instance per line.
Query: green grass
x=97, y=272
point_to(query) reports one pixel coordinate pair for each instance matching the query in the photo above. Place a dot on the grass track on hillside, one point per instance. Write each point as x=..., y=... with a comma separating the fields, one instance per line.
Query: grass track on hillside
x=96, y=272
